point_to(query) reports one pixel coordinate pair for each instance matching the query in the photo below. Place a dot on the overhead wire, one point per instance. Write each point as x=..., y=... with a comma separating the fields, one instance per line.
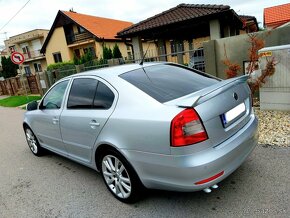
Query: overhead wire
x=14, y=15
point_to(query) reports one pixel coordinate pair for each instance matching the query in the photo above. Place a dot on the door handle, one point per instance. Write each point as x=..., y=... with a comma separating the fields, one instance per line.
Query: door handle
x=55, y=120
x=94, y=124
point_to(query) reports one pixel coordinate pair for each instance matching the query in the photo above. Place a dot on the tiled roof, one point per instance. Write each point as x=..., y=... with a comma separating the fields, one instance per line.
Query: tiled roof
x=277, y=15
x=249, y=21
x=101, y=27
x=247, y=17
x=177, y=14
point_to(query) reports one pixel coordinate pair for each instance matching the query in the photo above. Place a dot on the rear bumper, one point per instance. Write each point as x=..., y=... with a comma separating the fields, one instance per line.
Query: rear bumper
x=181, y=172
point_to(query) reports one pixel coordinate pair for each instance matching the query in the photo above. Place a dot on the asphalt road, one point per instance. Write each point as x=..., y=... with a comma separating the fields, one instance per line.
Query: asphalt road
x=52, y=186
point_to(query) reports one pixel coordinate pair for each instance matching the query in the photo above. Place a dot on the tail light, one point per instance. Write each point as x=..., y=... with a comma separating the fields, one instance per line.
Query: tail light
x=187, y=129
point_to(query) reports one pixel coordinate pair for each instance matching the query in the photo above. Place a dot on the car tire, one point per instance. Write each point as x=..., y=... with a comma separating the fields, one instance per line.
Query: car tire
x=120, y=177
x=33, y=143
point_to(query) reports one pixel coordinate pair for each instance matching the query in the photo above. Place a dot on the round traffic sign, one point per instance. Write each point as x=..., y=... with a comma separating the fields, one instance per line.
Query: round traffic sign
x=17, y=57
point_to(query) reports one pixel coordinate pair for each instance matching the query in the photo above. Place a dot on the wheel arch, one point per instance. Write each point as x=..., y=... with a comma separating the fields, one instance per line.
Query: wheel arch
x=25, y=125
x=101, y=149
x=106, y=147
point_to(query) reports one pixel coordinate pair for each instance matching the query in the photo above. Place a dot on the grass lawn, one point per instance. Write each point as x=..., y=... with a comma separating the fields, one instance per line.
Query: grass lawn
x=15, y=101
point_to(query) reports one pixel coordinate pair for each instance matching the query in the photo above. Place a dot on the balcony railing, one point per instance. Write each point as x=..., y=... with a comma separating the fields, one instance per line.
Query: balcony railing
x=32, y=55
x=74, y=38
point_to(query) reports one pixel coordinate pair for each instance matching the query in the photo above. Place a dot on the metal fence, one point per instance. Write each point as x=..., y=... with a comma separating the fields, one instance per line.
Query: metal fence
x=191, y=58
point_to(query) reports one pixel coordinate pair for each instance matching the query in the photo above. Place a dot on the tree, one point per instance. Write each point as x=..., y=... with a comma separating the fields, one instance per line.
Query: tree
x=256, y=44
x=116, y=52
x=9, y=68
x=232, y=68
x=107, y=52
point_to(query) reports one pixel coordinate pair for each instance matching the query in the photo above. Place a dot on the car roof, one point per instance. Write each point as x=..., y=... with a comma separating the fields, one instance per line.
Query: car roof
x=116, y=70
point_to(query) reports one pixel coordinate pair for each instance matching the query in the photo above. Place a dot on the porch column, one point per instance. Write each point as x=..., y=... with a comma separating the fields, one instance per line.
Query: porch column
x=227, y=31
x=162, y=50
x=138, y=48
x=215, y=29
x=180, y=51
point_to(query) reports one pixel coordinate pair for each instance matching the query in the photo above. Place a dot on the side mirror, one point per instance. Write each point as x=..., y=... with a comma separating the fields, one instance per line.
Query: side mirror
x=32, y=106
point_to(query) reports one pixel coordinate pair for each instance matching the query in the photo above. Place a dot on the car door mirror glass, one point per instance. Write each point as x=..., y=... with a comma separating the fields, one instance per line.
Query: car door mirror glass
x=32, y=106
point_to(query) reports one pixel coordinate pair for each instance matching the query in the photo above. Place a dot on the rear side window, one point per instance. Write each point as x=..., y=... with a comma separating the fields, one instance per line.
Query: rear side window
x=87, y=93
x=104, y=97
x=82, y=93
x=167, y=82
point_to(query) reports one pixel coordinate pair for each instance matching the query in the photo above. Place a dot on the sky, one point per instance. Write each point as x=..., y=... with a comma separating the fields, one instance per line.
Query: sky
x=40, y=14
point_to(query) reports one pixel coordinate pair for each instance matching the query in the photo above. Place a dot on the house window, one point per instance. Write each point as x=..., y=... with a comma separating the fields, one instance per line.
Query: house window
x=130, y=56
x=81, y=30
x=37, y=67
x=197, y=60
x=77, y=53
x=12, y=48
x=57, y=57
x=26, y=52
x=27, y=70
x=91, y=50
x=176, y=46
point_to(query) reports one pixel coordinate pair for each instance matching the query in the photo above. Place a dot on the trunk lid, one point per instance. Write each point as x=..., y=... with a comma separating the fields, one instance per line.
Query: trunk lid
x=224, y=109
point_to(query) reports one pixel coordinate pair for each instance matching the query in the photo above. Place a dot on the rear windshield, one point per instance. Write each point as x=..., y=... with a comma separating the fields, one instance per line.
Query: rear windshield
x=168, y=82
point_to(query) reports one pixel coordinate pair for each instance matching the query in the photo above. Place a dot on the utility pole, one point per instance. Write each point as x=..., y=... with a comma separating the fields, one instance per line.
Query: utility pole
x=4, y=33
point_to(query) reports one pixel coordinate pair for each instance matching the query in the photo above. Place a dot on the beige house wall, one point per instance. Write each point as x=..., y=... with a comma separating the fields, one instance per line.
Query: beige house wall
x=32, y=68
x=57, y=43
x=26, y=37
x=122, y=46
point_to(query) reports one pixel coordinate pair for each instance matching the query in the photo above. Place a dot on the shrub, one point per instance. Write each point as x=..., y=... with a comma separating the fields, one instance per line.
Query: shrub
x=116, y=52
x=107, y=53
x=61, y=66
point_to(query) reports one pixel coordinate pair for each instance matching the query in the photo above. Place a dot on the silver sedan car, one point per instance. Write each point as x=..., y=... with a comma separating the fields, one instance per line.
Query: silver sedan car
x=157, y=126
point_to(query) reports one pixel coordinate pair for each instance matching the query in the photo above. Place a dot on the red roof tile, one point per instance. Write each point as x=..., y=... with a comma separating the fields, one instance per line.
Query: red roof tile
x=101, y=27
x=277, y=15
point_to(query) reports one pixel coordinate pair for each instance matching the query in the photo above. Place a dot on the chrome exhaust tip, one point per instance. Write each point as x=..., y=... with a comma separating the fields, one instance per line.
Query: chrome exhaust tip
x=215, y=186
x=207, y=190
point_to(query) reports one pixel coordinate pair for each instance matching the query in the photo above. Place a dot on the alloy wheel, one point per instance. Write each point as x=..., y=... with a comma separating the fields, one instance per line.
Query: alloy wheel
x=116, y=176
x=31, y=140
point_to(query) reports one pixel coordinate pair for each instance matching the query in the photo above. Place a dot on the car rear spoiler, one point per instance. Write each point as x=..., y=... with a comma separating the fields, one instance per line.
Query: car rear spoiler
x=192, y=100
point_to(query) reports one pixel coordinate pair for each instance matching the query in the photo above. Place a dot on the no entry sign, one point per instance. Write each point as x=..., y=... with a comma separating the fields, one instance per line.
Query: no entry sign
x=17, y=58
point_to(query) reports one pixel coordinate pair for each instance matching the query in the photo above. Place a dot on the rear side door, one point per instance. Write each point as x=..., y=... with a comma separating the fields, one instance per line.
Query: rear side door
x=46, y=120
x=90, y=103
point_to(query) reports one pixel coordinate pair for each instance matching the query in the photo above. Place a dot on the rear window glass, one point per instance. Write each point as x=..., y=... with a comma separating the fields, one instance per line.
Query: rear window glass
x=167, y=82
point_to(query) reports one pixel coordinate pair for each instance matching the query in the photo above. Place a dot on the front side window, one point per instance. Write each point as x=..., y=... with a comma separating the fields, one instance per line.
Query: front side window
x=53, y=98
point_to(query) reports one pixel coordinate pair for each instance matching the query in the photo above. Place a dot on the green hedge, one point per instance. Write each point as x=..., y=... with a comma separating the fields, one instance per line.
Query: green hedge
x=61, y=66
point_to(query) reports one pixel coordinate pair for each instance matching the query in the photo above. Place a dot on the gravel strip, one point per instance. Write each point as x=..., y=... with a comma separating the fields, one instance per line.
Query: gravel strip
x=274, y=127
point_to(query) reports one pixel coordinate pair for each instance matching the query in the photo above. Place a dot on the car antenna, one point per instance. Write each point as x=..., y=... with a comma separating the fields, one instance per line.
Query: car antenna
x=143, y=58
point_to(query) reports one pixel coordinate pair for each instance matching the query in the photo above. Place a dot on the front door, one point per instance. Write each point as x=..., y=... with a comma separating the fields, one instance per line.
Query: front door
x=46, y=123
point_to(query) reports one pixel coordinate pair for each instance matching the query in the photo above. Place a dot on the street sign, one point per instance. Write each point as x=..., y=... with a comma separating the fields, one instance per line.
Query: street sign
x=17, y=57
